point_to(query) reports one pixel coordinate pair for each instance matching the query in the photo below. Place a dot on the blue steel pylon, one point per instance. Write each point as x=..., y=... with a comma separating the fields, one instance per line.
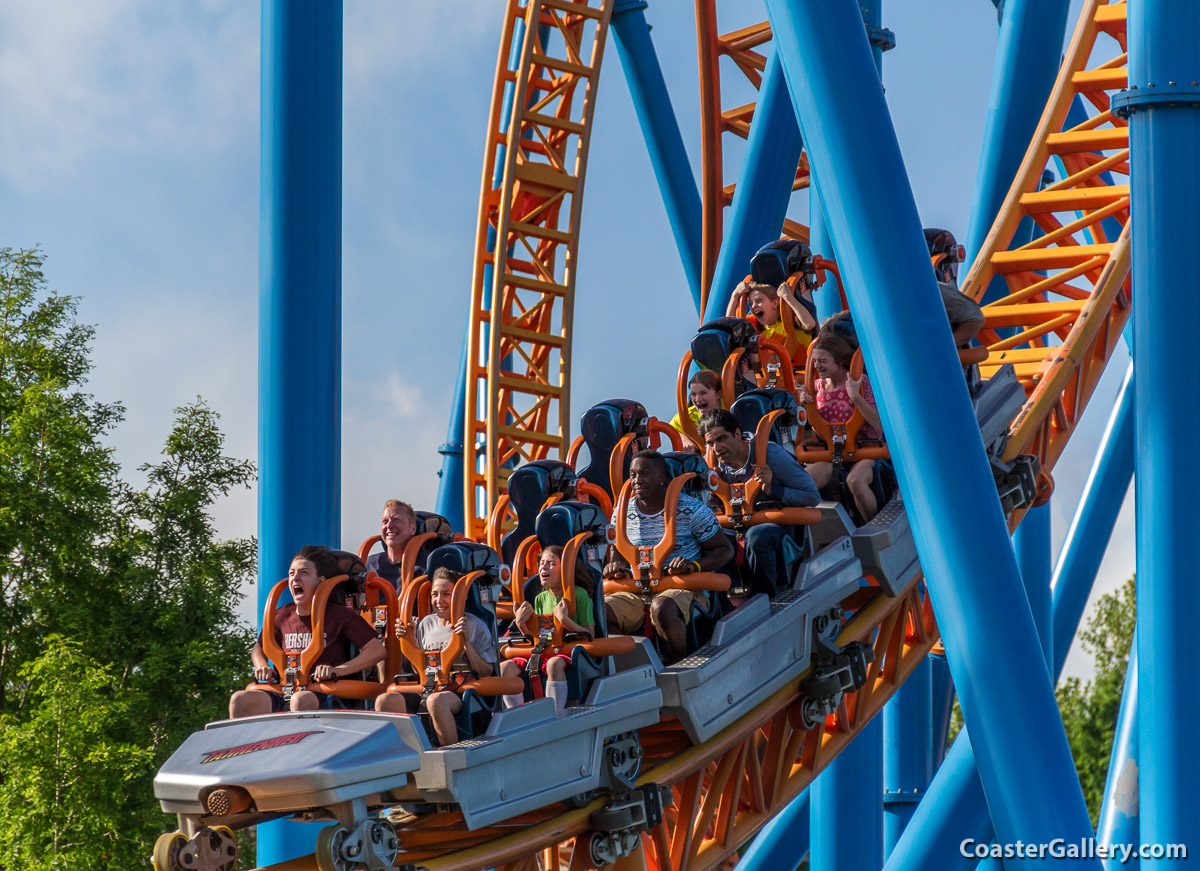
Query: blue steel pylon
x=764, y=186
x=300, y=305
x=1120, y=821
x=990, y=636
x=1163, y=102
x=660, y=129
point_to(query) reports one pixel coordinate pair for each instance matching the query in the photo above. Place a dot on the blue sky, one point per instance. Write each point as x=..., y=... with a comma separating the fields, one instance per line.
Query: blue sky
x=130, y=153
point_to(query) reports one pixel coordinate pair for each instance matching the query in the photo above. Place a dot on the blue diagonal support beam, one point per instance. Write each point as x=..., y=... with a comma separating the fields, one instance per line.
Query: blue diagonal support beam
x=764, y=186
x=1120, y=821
x=652, y=102
x=991, y=640
x=955, y=808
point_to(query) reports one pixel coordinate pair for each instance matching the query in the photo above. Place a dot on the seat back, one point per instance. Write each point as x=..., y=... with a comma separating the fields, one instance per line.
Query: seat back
x=776, y=261
x=602, y=426
x=464, y=557
x=754, y=405
x=716, y=340
x=679, y=462
x=528, y=489
x=429, y=521
x=557, y=525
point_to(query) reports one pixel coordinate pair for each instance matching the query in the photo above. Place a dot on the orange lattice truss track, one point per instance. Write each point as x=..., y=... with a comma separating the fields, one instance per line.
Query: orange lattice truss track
x=740, y=47
x=526, y=245
x=1068, y=290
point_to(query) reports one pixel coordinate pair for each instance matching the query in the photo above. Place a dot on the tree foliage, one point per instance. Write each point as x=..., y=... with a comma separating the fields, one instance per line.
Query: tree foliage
x=1090, y=708
x=118, y=630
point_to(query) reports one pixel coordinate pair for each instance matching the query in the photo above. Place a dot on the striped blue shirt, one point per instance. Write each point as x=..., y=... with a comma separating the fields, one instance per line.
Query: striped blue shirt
x=694, y=523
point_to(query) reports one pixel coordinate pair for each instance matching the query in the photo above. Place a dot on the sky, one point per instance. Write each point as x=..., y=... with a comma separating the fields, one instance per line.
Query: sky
x=130, y=155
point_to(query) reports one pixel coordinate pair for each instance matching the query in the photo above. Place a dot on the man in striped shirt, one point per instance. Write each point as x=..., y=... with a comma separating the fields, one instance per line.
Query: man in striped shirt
x=700, y=546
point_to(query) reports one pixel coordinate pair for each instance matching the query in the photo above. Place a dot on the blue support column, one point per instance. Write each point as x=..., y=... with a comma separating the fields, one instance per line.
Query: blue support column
x=847, y=830
x=1028, y=54
x=299, y=358
x=783, y=842
x=1092, y=526
x=941, y=703
x=907, y=762
x=991, y=640
x=1119, y=812
x=764, y=186
x=661, y=132
x=827, y=299
x=1164, y=138
x=1031, y=542
x=955, y=807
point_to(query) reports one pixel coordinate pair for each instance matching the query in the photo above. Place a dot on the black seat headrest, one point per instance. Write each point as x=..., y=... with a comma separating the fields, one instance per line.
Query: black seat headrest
x=679, y=462
x=775, y=261
x=752, y=406
x=716, y=340
x=464, y=557
x=562, y=521
x=429, y=521
x=602, y=426
x=528, y=489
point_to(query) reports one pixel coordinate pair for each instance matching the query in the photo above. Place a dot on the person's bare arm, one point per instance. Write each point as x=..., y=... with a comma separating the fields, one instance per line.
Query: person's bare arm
x=869, y=412
x=371, y=653
x=263, y=670
x=803, y=316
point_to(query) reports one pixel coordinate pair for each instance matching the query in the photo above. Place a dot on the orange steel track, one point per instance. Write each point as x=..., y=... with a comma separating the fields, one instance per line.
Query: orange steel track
x=519, y=341
x=1068, y=290
x=739, y=46
x=1068, y=300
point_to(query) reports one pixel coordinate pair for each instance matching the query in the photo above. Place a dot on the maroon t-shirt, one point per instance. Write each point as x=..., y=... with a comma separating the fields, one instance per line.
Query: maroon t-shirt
x=343, y=627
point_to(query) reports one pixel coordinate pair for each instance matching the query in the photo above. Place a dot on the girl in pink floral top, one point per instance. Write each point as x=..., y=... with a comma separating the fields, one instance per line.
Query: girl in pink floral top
x=837, y=397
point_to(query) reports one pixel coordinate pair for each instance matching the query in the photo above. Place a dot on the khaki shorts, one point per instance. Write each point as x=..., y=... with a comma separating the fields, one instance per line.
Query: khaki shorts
x=630, y=609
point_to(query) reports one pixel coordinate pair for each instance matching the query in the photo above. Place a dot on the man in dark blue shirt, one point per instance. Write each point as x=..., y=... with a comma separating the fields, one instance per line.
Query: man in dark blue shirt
x=771, y=548
x=396, y=527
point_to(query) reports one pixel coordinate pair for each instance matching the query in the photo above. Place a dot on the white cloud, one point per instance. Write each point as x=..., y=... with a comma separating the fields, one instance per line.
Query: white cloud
x=89, y=83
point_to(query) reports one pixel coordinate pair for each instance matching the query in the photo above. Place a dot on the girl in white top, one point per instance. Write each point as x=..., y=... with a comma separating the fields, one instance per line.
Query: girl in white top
x=433, y=632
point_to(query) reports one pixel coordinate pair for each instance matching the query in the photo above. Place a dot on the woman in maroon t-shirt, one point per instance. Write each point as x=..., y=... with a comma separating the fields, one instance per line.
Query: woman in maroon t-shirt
x=293, y=631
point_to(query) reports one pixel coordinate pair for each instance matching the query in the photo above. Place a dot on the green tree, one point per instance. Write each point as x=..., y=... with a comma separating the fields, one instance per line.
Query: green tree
x=118, y=629
x=1090, y=708
x=57, y=480
x=68, y=782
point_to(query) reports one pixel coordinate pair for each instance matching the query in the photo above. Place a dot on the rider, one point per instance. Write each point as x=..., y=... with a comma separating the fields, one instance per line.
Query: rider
x=699, y=547
x=396, y=527
x=433, y=633
x=764, y=302
x=770, y=547
x=550, y=601
x=838, y=395
x=704, y=389
x=344, y=627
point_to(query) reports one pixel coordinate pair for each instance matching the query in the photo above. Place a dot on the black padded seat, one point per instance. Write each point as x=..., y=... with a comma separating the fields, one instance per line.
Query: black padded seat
x=753, y=405
x=679, y=462
x=717, y=339
x=602, y=426
x=528, y=489
x=464, y=557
